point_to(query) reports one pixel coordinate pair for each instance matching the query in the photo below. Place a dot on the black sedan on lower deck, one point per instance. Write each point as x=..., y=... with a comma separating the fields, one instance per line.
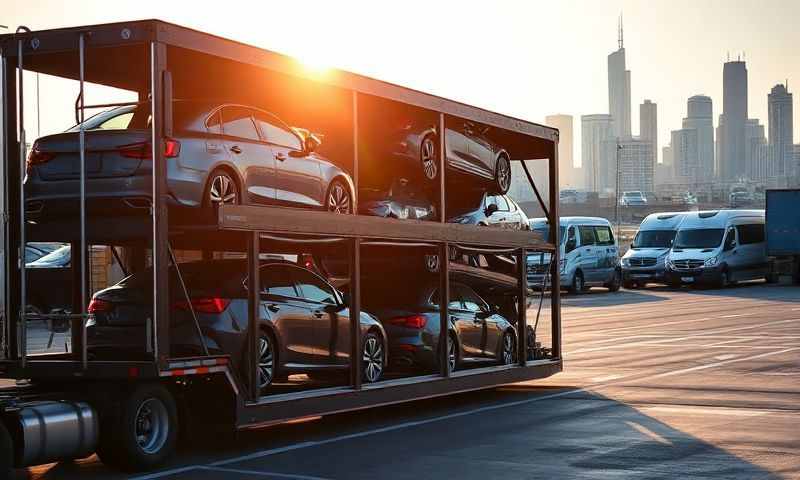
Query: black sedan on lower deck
x=477, y=333
x=304, y=325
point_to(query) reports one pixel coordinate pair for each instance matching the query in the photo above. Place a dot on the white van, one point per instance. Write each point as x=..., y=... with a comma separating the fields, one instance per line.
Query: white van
x=645, y=260
x=589, y=255
x=718, y=247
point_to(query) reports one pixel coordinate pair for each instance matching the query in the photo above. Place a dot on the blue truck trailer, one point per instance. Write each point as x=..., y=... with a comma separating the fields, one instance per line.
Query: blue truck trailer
x=783, y=232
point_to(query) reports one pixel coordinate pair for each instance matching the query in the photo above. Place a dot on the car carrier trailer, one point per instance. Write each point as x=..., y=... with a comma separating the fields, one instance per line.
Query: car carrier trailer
x=71, y=404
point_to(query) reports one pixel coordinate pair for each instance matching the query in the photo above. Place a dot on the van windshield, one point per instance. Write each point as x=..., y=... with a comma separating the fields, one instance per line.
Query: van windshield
x=699, y=238
x=654, y=239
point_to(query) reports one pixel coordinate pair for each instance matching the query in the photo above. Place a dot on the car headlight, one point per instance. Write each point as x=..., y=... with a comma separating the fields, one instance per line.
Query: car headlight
x=711, y=262
x=626, y=262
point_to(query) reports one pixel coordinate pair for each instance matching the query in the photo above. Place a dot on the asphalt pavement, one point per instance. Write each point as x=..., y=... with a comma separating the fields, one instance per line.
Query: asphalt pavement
x=657, y=384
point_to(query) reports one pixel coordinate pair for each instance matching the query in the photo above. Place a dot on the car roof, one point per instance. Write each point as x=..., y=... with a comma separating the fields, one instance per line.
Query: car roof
x=717, y=218
x=663, y=221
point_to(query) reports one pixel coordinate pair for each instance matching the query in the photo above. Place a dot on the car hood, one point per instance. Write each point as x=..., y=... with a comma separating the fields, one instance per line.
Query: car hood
x=693, y=253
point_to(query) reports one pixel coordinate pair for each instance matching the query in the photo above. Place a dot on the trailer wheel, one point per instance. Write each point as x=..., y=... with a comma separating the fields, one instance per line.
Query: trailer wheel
x=144, y=432
x=6, y=452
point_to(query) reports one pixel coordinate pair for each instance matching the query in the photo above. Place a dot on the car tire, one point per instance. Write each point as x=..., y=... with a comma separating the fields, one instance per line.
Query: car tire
x=578, y=285
x=267, y=362
x=502, y=175
x=141, y=431
x=452, y=352
x=429, y=157
x=222, y=189
x=374, y=357
x=338, y=198
x=507, y=354
x=724, y=279
x=616, y=281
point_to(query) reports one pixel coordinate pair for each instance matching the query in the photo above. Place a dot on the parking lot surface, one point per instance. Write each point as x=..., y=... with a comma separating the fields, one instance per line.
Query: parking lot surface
x=657, y=384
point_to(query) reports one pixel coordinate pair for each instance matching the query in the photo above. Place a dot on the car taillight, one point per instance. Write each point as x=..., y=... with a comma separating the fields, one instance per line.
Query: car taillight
x=307, y=261
x=143, y=150
x=413, y=321
x=100, y=306
x=205, y=305
x=38, y=157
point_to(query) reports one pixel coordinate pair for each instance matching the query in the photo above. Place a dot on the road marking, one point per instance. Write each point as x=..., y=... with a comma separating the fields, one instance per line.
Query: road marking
x=717, y=364
x=725, y=357
x=735, y=315
x=646, y=431
x=736, y=412
x=260, y=473
x=607, y=378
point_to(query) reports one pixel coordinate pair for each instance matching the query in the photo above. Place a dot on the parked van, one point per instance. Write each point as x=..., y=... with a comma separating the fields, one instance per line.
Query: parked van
x=718, y=247
x=589, y=255
x=645, y=261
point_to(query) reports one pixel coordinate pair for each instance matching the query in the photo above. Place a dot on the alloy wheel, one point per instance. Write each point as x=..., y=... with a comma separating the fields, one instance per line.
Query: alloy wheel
x=373, y=359
x=222, y=190
x=428, y=156
x=508, y=349
x=503, y=174
x=451, y=353
x=266, y=361
x=338, y=199
x=152, y=425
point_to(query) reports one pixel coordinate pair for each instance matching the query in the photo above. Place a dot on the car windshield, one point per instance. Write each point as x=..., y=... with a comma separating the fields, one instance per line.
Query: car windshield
x=57, y=258
x=654, y=239
x=699, y=238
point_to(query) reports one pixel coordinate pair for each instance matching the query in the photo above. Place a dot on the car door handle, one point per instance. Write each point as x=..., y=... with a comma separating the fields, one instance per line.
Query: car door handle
x=318, y=314
x=280, y=156
x=236, y=149
x=273, y=308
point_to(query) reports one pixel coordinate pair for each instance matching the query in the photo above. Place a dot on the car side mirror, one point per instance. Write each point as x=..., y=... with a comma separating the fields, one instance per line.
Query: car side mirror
x=490, y=209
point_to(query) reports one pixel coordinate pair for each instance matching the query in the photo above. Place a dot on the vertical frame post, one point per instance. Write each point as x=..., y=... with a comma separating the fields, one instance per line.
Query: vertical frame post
x=23, y=277
x=355, y=314
x=12, y=182
x=85, y=258
x=253, y=312
x=555, y=270
x=444, y=260
x=5, y=294
x=522, y=309
x=161, y=346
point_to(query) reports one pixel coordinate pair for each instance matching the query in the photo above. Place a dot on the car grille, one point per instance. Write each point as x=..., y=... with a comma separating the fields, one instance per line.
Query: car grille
x=642, y=262
x=687, y=264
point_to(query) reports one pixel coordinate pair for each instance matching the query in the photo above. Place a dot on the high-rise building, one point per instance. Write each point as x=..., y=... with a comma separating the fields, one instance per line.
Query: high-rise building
x=597, y=152
x=636, y=166
x=796, y=164
x=756, y=156
x=648, y=124
x=664, y=172
x=568, y=174
x=619, y=90
x=732, y=123
x=699, y=117
x=781, y=138
x=685, y=157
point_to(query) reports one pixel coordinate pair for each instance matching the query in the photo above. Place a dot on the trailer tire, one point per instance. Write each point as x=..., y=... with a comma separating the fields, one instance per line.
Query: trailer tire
x=6, y=452
x=145, y=431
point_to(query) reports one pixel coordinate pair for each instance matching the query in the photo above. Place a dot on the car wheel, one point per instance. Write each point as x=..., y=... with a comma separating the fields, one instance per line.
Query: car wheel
x=222, y=189
x=614, y=284
x=508, y=349
x=374, y=358
x=266, y=360
x=142, y=431
x=578, y=286
x=452, y=352
x=724, y=279
x=338, y=198
x=429, y=158
x=502, y=175
x=630, y=285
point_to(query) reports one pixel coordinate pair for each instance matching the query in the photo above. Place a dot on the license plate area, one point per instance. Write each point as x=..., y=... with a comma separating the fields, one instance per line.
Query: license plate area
x=687, y=279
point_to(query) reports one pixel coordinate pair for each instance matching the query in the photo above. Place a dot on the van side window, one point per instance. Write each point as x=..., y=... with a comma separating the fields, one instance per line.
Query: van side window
x=587, y=235
x=571, y=242
x=750, y=234
x=604, y=236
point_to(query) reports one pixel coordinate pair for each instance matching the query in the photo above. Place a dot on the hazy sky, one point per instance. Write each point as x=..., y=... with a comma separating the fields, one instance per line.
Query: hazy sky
x=524, y=58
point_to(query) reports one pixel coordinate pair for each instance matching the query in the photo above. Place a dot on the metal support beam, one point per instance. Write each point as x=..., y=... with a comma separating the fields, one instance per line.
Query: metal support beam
x=253, y=313
x=555, y=277
x=23, y=278
x=444, y=314
x=522, y=309
x=84, y=255
x=535, y=190
x=5, y=294
x=161, y=345
x=355, y=314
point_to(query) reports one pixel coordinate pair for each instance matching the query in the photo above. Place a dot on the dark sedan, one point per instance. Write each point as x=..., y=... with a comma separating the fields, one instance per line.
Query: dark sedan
x=219, y=154
x=488, y=210
x=411, y=319
x=304, y=325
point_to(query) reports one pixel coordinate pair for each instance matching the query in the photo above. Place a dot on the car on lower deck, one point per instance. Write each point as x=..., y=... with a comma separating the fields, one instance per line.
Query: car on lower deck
x=220, y=153
x=304, y=325
x=477, y=333
x=489, y=210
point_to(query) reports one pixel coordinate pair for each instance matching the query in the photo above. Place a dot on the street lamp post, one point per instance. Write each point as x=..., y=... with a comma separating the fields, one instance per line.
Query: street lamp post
x=616, y=198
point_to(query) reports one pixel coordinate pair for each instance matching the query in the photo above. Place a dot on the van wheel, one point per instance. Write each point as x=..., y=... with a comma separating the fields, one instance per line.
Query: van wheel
x=724, y=279
x=578, y=285
x=144, y=432
x=630, y=285
x=614, y=284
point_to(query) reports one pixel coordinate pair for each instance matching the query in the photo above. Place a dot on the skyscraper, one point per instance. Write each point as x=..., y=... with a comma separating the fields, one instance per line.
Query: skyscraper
x=597, y=152
x=756, y=151
x=699, y=117
x=781, y=138
x=732, y=124
x=648, y=124
x=569, y=176
x=619, y=90
x=636, y=166
x=685, y=158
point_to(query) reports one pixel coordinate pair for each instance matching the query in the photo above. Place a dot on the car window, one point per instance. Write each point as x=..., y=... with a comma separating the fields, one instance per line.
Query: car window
x=275, y=132
x=750, y=234
x=455, y=300
x=275, y=280
x=502, y=205
x=120, y=122
x=587, y=235
x=214, y=124
x=472, y=301
x=238, y=122
x=312, y=287
x=603, y=236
